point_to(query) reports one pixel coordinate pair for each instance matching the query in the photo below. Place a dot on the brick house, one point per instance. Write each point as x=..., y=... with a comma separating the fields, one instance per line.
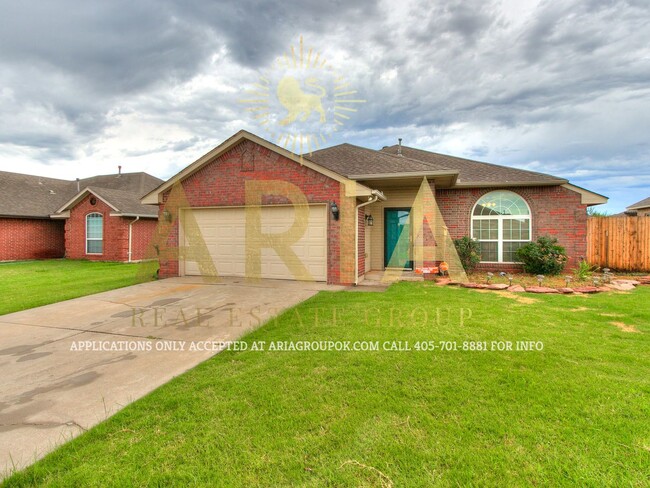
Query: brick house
x=640, y=209
x=251, y=208
x=98, y=218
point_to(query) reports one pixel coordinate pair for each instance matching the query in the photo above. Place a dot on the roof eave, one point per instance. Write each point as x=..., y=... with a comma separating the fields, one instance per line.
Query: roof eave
x=490, y=184
x=404, y=174
x=587, y=197
x=134, y=215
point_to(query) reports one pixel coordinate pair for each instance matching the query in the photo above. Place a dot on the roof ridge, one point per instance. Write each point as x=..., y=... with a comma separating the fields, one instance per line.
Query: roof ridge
x=394, y=156
x=474, y=161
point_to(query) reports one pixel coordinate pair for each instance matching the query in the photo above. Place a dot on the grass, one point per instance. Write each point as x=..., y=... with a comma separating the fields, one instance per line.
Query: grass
x=29, y=284
x=573, y=414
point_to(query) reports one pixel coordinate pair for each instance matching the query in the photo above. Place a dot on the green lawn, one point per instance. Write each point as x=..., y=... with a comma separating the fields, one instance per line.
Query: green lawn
x=574, y=414
x=29, y=284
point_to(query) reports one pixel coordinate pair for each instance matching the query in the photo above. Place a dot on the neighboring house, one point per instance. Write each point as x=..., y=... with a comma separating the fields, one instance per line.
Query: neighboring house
x=251, y=208
x=641, y=209
x=98, y=218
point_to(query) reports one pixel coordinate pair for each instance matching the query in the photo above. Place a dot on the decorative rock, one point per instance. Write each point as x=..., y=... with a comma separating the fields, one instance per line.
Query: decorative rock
x=541, y=289
x=566, y=291
x=516, y=289
x=443, y=281
x=454, y=283
x=497, y=286
x=586, y=289
x=617, y=286
x=473, y=285
x=626, y=282
x=645, y=280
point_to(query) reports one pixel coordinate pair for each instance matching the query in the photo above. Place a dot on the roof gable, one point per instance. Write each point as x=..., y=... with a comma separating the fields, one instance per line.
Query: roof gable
x=155, y=196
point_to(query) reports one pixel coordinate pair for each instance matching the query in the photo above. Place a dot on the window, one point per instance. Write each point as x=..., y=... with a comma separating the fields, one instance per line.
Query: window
x=94, y=233
x=501, y=224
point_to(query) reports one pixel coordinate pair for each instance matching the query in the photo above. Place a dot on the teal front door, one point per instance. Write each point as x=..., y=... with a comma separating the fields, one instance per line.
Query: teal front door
x=397, y=238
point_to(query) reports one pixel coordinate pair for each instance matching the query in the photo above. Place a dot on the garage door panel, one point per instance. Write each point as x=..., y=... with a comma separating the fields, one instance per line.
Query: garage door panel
x=224, y=232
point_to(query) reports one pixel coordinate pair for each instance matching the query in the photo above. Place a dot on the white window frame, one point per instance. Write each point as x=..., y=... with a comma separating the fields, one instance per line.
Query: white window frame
x=500, y=218
x=91, y=214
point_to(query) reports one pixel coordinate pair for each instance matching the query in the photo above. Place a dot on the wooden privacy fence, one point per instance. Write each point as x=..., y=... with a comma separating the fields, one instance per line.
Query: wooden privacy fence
x=620, y=243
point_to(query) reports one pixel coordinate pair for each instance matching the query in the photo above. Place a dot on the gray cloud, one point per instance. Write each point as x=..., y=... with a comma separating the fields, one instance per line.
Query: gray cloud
x=559, y=87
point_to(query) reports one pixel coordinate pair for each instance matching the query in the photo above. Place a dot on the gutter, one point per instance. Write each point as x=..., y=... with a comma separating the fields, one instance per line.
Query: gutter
x=375, y=195
x=131, y=235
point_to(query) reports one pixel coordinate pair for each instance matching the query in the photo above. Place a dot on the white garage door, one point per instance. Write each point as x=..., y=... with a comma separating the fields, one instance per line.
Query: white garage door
x=223, y=230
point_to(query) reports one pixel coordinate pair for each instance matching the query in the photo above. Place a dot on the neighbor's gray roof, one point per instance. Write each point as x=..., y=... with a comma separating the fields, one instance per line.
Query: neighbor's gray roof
x=38, y=197
x=476, y=172
x=126, y=202
x=642, y=204
x=349, y=160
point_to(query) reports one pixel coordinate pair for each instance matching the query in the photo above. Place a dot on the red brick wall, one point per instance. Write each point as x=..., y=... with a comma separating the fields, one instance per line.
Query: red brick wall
x=221, y=183
x=556, y=211
x=116, y=234
x=362, y=241
x=31, y=239
x=142, y=233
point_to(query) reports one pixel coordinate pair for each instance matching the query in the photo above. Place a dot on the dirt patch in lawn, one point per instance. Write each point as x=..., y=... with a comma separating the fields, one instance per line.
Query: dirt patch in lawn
x=624, y=327
x=517, y=297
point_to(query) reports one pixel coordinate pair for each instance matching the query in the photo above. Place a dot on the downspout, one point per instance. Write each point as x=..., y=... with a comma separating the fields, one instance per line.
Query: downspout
x=372, y=199
x=131, y=235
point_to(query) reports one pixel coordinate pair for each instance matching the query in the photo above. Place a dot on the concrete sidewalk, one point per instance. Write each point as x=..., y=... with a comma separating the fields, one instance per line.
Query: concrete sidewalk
x=68, y=366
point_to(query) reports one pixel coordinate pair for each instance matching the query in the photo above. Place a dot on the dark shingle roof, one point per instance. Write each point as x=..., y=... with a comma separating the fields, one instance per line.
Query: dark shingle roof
x=32, y=196
x=126, y=202
x=642, y=204
x=38, y=197
x=471, y=172
x=349, y=160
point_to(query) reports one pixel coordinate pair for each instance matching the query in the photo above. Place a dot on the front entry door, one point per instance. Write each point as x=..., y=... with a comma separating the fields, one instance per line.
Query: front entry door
x=397, y=238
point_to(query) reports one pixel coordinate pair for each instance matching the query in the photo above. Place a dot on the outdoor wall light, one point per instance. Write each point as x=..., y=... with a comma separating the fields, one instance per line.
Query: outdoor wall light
x=370, y=221
x=335, y=210
x=167, y=215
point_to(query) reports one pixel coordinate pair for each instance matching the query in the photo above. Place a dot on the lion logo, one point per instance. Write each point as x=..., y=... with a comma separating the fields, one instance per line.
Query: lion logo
x=297, y=102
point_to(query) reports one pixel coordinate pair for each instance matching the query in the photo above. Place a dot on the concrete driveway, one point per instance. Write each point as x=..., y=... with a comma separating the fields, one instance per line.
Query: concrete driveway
x=68, y=366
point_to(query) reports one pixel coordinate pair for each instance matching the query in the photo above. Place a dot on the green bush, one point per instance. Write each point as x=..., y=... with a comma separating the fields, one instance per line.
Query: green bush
x=469, y=253
x=584, y=270
x=545, y=256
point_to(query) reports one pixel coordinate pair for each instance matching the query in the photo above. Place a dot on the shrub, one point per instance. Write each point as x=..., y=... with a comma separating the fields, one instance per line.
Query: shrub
x=469, y=253
x=545, y=256
x=584, y=270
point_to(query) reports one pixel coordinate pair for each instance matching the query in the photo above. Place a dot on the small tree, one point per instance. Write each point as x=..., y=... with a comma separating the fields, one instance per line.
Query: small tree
x=469, y=253
x=544, y=257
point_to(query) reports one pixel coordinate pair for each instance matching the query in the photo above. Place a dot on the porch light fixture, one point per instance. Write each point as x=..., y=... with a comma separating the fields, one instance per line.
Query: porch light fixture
x=370, y=221
x=335, y=210
x=167, y=215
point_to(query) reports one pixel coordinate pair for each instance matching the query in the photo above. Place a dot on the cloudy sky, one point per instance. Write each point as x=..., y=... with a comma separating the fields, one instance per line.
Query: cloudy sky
x=561, y=87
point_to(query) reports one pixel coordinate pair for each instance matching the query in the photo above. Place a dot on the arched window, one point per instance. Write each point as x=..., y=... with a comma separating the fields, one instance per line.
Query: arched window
x=94, y=233
x=501, y=224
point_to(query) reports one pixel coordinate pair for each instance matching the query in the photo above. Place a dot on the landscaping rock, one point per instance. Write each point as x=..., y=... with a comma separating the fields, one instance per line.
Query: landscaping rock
x=620, y=286
x=516, y=289
x=625, y=282
x=586, y=289
x=443, y=281
x=541, y=289
x=497, y=286
x=645, y=280
x=566, y=291
x=473, y=285
x=454, y=283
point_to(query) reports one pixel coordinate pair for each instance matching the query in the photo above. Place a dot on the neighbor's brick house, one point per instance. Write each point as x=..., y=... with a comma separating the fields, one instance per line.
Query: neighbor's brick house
x=48, y=218
x=250, y=208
